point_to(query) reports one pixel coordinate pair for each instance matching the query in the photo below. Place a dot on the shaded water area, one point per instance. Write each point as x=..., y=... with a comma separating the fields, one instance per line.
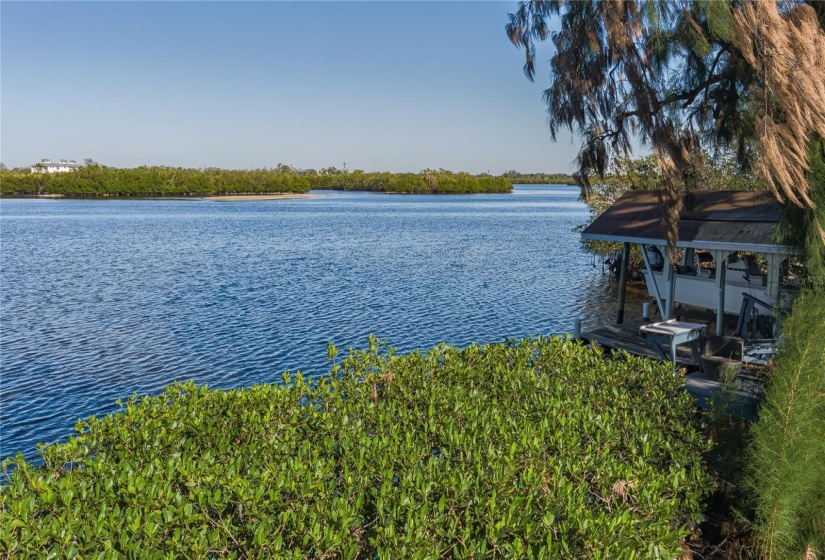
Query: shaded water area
x=103, y=299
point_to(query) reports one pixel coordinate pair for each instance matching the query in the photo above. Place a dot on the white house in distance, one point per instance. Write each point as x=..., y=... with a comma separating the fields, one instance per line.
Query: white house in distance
x=46, y=166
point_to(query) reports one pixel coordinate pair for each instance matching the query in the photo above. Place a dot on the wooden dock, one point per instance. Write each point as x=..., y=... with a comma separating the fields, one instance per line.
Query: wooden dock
x=626, y=337
x=742, y=398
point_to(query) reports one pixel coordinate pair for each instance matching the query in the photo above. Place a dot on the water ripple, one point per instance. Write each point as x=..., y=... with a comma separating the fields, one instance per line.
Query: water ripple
x=103, y=299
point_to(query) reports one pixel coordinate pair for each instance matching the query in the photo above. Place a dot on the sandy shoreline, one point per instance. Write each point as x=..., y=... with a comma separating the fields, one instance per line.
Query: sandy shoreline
x=242, y=198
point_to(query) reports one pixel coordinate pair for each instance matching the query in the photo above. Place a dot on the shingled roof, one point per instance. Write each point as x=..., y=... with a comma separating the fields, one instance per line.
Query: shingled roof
x=741, y=220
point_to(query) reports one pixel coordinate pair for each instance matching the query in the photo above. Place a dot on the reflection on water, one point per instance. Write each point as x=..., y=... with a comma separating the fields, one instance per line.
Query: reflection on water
x=102, y=299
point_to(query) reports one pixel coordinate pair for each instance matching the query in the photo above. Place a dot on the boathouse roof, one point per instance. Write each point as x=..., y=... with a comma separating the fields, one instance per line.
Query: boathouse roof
x=736, y=220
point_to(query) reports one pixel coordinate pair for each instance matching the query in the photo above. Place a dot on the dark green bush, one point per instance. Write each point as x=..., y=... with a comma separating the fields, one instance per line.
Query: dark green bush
x=538, y=448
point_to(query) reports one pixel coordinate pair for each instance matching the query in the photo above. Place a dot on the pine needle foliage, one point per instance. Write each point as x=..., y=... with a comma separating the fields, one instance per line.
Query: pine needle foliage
x=539, y=448
x=786, y=47
x=787, y=454
x=803, y=227
x=787, y=459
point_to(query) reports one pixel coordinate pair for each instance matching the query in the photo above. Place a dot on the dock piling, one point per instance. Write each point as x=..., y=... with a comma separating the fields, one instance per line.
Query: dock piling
x=722, y=268
x=577, y=329
x=623, y=283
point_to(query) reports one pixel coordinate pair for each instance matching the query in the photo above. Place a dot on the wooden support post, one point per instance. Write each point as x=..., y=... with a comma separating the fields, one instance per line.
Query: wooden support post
x=623, y=283
x=671, y=274
x=721, y=271
x=774, y=261
x=687, y=256
x=652, y=279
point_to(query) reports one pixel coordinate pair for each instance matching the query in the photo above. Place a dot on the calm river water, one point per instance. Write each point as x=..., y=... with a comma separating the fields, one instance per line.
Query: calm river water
x=103, y=299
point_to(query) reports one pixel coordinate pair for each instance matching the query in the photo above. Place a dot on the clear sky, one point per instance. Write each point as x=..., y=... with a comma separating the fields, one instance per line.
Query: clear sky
x=397, y=86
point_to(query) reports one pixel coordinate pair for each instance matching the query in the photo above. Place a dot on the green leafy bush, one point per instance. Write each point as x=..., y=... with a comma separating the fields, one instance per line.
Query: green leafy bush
x=535, y=448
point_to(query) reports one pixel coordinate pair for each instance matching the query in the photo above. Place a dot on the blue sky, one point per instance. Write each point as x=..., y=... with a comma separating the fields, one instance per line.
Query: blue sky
x=396, y=86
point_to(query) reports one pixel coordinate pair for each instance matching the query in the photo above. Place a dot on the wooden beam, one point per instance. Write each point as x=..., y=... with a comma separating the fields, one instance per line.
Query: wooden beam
x=671, y=281
x=658, y=297
x=622, y=283
x=721, y=272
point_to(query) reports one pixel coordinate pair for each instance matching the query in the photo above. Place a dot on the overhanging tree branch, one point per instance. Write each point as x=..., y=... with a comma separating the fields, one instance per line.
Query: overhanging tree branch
x=647, y=64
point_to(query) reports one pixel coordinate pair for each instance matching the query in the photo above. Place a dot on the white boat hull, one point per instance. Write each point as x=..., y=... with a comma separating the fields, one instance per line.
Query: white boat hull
x=703, y=292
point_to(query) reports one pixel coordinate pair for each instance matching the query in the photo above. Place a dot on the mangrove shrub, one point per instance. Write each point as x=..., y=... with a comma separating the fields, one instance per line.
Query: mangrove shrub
x=537, y=448
x=413, y=183
x=99, y=180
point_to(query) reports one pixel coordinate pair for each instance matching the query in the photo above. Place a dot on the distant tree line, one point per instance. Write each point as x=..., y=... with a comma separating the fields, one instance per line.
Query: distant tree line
x=424, y=182
x=95, y=180
x=99, y=180
x=540, y=178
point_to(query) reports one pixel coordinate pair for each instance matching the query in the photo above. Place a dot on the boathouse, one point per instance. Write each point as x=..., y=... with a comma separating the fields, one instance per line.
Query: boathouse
x=730, y=263
x=722, y=235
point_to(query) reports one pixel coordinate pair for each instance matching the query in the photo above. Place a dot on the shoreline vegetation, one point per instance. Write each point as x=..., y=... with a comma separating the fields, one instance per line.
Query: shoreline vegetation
x=98, y=181
x=539, y=448
x=219, y=198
